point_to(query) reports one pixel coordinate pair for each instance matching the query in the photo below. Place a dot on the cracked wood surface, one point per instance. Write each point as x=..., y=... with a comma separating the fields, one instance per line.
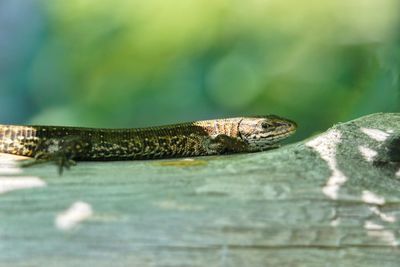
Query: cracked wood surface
x=331, y=200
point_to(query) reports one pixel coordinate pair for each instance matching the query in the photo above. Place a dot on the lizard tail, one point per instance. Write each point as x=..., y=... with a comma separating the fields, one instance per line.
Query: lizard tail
x=18, y=140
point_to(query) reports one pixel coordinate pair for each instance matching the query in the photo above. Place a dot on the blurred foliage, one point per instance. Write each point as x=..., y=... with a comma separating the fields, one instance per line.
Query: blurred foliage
x=134, y=63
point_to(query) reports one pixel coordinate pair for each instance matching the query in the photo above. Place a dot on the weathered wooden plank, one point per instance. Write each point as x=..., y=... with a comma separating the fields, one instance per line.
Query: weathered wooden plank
x=321, y=202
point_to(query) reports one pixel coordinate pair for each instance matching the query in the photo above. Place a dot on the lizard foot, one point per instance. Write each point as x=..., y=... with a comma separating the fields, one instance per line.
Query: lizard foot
x=223, y=144
x=60, y=151
x=60, y=160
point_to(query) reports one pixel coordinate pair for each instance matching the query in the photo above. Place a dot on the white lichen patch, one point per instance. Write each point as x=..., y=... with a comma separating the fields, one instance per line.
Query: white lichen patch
x=376, y=134
x=78, y=212
x=386, y=236
x=368, y=153
x=369, y=225
x=8, y=170
x=8, y=184
x=383, y=216
x=371, y=198
x=9, y=164
x=335, y=222
x=325, y=145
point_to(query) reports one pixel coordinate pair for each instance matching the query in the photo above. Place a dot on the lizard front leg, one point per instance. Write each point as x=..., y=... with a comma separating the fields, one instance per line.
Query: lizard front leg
x=61, y=151
x=224, y=144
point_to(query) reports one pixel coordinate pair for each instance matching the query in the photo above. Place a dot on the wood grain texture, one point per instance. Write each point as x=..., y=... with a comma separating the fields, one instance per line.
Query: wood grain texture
x=331, y=200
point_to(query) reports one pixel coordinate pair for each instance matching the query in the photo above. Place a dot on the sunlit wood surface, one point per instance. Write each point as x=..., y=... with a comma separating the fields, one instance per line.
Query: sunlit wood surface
x=321, y=202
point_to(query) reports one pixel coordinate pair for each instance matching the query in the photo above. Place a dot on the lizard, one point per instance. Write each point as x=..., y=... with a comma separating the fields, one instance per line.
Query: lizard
x=66, y=145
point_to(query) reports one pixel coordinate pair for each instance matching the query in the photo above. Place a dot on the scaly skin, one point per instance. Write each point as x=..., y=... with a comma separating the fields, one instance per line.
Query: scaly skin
x=211, y=137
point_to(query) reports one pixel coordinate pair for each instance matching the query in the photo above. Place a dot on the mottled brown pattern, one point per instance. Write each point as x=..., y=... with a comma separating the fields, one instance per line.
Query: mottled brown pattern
x=211, y=137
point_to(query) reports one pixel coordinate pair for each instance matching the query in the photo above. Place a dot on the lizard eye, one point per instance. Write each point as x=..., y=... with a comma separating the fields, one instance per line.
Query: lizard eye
x=266, y=125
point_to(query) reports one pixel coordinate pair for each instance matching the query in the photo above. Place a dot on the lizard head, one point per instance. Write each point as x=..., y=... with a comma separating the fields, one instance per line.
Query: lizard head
x=265, y=132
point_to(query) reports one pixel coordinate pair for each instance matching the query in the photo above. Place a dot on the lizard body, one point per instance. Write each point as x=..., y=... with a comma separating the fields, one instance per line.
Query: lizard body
x=200, y=138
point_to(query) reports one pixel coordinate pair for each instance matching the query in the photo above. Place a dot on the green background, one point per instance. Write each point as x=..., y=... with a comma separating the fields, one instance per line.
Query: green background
x=137, y=63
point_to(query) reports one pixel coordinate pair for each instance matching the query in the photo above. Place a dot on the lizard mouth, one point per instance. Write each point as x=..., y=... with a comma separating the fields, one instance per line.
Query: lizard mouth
x=265, y=141
x=282, y=133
